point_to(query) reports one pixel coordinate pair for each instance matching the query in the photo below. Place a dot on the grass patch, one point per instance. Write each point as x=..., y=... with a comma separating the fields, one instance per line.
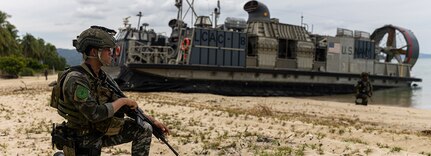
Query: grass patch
x=382, y=145
x=320, y=150
x=341, y=131
x=395, y=149
x=280, y=151
x=261, y=111
x=300, y=150
x=426, y=132
x=320, y=136
x=211, y=145
x=3, y=146
x=368, y=151
x=39, y=127
x=118, y=151
x=355, y=140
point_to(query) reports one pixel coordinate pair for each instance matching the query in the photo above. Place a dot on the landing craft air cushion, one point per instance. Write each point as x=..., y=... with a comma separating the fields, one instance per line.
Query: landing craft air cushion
x=260, y=56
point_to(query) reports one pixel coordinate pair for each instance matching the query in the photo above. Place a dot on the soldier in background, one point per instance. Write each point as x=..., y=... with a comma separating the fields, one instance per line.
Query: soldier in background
x=364, y=90
x=92, y=110
x=46, y=74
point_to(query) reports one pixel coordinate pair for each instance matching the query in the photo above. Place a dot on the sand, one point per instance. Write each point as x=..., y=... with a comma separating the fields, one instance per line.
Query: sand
x=206, y=124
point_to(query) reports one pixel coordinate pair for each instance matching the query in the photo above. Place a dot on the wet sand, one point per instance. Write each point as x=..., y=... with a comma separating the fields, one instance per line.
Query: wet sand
x=206, y=124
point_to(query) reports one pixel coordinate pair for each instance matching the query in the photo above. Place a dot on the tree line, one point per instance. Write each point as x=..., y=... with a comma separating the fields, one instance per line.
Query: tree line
x=27, y=55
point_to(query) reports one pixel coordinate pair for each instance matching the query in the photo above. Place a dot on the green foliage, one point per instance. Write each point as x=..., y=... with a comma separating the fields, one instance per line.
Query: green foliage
x=8, y=36
x=283, y=151
x=12, y=65
x=27, y=72
x=30, y=46
x=395, y=149
x=34, y=65
x=39, y=54
x=51, y=58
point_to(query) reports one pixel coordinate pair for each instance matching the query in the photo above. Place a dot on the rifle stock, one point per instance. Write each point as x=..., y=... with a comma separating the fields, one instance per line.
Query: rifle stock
x=140, y=118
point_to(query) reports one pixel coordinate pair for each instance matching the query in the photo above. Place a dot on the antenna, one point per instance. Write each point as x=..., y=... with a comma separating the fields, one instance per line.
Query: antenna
x=213, y=18
x=179, y=5
x=126, y=21
x=302, y=19
x=139, y=21
x=216, y=13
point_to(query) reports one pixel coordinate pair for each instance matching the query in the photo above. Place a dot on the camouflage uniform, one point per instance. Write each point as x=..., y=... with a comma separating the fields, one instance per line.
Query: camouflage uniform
x=364, y=89
x=86, y=104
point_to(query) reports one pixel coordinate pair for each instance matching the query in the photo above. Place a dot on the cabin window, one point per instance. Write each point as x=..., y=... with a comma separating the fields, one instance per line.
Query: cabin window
x=282, y=48
x=256, y=74
x=320, y=55
x=291, y=49
x=133, y=35
x=251, y=50
x=144, y=36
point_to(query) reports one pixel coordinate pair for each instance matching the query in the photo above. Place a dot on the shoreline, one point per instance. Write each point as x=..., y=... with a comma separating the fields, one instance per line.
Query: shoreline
x=207, y=124
x=395, y=97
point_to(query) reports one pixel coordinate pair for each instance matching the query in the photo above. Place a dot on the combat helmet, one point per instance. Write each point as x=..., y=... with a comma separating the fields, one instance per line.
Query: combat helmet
x=95, y=36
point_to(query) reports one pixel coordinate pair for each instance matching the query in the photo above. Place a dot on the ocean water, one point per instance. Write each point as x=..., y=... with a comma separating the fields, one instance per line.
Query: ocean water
x=421, y=96
x=415, y=97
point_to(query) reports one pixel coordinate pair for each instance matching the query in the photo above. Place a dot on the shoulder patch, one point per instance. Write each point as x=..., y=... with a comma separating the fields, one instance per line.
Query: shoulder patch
x=81, y=93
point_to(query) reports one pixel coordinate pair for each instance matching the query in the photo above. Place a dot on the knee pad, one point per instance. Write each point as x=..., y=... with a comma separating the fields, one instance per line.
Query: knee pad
x=146, y=129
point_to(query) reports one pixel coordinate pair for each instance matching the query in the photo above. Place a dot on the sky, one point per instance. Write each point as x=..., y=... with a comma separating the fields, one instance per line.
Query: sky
x=60, y=21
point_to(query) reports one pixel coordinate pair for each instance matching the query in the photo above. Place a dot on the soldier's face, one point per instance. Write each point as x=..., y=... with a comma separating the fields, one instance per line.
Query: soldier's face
x=365, y=78
x=106, y=56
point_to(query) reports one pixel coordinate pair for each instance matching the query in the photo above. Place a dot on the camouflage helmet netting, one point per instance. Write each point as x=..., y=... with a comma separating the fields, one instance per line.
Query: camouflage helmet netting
x=95, y=37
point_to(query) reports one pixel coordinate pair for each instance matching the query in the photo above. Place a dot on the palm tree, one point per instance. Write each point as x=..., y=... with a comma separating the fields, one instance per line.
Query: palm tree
x=8, y=36
x=30, y=47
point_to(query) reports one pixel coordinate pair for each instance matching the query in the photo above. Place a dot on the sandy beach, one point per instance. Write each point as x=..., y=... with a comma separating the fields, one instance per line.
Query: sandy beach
x=206, y=124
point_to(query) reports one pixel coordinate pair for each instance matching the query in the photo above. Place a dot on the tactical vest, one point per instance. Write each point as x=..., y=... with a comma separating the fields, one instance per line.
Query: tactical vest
x=67, y=111
x=364, y=87
x=76, y=119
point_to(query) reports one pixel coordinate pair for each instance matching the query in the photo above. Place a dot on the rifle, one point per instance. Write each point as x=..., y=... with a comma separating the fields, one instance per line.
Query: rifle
x=371, y=99
x=139, y=116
